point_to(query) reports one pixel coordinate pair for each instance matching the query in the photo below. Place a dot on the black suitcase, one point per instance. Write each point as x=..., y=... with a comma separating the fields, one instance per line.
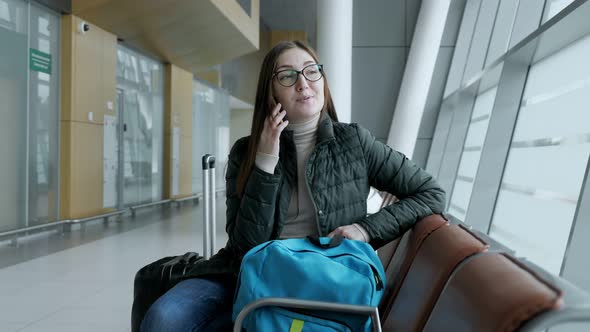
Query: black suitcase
x=155, y=279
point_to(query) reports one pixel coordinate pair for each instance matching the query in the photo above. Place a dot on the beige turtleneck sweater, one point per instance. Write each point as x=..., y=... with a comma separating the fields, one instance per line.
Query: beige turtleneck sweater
x=301, y=220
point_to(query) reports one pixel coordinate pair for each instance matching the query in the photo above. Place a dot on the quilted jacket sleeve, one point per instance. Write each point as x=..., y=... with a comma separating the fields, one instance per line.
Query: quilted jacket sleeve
x=418, y=193
x=250, y=218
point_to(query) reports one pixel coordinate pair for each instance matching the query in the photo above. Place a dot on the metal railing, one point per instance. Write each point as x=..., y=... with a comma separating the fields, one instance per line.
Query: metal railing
x=104, y=216
x=195, y=197
x=33, y=228
x=67, y=223
x=209, y=210
x=144, y=205
x=80, y=221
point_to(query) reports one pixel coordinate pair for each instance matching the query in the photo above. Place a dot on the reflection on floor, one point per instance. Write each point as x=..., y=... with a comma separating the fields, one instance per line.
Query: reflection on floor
x=83, y=281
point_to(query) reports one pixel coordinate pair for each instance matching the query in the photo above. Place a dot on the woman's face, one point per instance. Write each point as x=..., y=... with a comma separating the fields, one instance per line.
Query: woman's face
x=305, y=98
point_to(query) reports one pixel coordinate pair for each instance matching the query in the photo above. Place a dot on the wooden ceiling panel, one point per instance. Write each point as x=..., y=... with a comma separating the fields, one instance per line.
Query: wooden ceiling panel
x=79, y=6
x=192, y=34
x=155, y=21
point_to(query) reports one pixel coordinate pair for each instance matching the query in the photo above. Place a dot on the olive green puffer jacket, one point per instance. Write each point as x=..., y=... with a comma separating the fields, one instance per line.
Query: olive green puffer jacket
x=344, y=163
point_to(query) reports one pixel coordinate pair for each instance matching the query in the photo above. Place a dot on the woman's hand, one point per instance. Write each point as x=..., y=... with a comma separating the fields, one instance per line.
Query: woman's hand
x=271, y=133
x=351, y=232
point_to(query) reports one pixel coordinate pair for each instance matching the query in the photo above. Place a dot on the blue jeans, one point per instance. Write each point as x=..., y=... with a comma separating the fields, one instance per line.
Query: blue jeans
x=192, y=305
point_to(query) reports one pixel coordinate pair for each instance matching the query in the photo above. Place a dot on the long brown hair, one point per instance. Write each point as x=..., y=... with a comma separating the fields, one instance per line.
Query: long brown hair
x=265, y=102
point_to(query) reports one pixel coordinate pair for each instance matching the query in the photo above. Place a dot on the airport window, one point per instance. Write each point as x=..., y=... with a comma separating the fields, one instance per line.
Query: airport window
x=211, y=122
x=44, y=118
x=553, y=7
x=547, y=159
x=29, y=91
x=503, y=25
x=471, y=154
x=141, y=111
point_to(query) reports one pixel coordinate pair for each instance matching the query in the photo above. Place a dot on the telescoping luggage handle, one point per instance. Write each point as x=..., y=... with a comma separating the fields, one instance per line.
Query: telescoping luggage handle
x=209, y=206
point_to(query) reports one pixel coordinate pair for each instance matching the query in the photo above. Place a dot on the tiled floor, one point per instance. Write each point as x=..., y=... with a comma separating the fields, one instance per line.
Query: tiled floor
x=83, y=281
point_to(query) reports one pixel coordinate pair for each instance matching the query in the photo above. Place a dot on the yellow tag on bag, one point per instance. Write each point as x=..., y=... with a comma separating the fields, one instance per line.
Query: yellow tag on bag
x=296, y=326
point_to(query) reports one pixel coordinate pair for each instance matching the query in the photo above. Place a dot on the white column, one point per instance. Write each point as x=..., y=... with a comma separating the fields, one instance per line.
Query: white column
x=413, y=93
x=334, y=47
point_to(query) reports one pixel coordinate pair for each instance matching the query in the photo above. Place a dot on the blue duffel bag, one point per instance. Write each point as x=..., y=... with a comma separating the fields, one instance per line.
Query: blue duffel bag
x=324, y=269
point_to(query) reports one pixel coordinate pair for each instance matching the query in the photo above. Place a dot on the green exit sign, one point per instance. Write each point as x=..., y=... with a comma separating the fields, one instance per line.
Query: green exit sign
x=39, y=61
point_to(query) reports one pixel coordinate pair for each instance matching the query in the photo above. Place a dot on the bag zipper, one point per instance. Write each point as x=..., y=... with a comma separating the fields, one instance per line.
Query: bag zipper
x=376, y=276
x=378, y=280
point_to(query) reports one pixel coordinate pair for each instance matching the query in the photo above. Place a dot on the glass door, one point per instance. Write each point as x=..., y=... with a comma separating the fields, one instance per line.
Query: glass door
x=120, y=155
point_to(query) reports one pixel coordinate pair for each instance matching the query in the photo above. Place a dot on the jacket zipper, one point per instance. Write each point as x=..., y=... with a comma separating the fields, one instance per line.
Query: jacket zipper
x=315, y=207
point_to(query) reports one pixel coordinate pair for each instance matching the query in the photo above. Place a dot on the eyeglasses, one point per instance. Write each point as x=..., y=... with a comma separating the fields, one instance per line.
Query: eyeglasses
x=288, y=77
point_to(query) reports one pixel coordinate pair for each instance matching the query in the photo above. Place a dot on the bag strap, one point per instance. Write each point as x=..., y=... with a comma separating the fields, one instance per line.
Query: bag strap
x=334, y=242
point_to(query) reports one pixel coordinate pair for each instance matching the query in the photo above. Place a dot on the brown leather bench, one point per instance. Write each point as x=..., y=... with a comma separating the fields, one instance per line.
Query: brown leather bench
x=397, y=256
x=485, y=290
x=435, y=260
x=492, y=292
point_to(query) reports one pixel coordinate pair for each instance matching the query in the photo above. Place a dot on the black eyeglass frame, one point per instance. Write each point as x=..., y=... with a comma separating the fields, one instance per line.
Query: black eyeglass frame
x=300, y=72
